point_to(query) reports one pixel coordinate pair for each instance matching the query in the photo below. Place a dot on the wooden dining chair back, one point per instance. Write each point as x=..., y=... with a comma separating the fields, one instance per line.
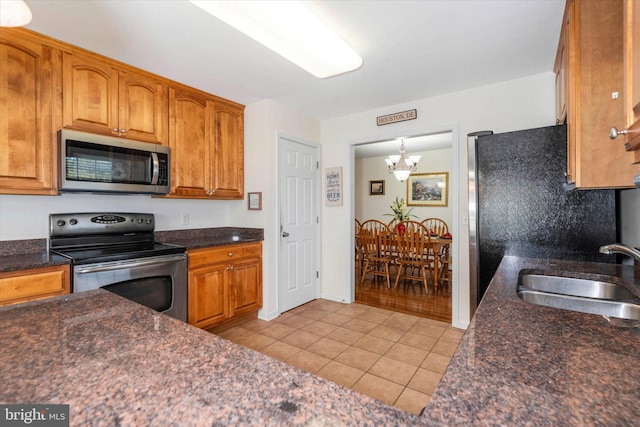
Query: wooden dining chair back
x=375, y=238
x=358, y=247
x=436, y=225
x=412, y=247
x=445, y=273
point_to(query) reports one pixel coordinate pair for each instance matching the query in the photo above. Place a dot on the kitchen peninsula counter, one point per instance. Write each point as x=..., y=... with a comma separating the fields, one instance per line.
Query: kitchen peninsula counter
x=524, y=364
x=118, y=363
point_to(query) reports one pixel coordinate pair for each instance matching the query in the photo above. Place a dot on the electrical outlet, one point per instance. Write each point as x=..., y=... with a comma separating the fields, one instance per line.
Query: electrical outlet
x=184, y=219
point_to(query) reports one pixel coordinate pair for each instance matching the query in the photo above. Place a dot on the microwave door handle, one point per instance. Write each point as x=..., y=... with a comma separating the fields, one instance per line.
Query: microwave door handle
x=156, y=168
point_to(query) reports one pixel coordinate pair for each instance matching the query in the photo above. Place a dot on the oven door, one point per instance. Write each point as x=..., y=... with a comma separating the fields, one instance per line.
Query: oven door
x=158, y=282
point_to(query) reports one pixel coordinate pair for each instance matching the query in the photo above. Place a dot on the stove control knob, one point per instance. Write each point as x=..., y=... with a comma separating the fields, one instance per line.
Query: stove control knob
x=148, y=221
x=139, y=220
x=73, y=221
x=60, y=223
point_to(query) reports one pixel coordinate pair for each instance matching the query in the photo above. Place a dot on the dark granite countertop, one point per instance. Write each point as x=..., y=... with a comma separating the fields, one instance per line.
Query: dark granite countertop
x=31, y=260
x=118, y=363
x=523, y=364
x=32, y=253
x=26, y=254
x=208, y=237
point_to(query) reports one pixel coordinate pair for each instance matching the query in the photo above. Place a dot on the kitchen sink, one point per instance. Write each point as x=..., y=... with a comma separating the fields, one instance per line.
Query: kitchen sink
x=584, y=295
x=576, y=287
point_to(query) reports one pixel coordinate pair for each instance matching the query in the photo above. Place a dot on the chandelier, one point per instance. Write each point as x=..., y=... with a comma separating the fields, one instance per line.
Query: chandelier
x=402, y=166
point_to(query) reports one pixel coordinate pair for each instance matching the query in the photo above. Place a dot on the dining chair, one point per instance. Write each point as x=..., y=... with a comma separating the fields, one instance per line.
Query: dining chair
x=445, y=270
x=436, y=225
x=358, y=246
x=413, y=252
x=375, y=239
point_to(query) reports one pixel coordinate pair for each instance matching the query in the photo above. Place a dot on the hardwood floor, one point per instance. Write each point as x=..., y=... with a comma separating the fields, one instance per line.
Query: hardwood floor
x=408, y=298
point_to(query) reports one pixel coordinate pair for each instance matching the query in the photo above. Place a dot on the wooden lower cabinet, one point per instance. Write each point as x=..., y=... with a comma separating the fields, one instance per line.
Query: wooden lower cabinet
x=26, y=285
x=224, y=282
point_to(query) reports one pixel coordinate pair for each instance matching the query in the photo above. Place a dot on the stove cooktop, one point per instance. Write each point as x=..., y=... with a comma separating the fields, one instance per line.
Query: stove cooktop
x=109, y=253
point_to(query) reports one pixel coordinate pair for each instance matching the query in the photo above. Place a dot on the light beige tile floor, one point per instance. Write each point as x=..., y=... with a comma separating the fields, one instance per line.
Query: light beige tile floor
x=393, y=357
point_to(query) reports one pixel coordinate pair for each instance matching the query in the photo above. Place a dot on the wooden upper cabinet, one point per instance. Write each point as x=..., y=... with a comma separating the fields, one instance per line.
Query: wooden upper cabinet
x=27, y=96
x=100, y=97
x=90, y=94
x=631, y=45
x=593, y=40
x=228, y=170
x=190, y=136
x=143, y=108
x=46, y=85
x=206, y=140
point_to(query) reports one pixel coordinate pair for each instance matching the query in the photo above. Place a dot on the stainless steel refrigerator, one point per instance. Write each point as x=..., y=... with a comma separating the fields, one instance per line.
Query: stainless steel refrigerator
x=520, y=205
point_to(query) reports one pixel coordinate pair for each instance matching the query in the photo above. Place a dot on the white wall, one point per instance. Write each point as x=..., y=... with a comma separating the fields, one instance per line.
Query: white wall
x=513, y=105
x=27, y=217
x=264, y=122
x=378, y=206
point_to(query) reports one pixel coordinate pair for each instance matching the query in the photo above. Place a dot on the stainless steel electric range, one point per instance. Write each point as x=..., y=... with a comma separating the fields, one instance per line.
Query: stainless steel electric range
x=117, y=252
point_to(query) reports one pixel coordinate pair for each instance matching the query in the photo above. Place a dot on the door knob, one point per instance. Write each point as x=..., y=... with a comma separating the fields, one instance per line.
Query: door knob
x=285, y=234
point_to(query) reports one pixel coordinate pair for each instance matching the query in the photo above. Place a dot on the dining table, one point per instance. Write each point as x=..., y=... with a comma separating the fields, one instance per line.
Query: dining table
x=434, y=247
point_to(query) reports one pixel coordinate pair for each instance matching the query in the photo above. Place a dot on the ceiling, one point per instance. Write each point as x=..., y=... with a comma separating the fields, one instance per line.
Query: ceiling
x=411, y=49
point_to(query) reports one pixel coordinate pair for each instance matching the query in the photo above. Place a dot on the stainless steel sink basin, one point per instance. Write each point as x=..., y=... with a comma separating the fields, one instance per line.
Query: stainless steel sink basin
x=575, y=287
x=583, y=295
x=619, y=309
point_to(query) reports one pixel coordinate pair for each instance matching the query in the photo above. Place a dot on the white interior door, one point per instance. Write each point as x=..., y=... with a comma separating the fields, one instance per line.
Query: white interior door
x=298, y=255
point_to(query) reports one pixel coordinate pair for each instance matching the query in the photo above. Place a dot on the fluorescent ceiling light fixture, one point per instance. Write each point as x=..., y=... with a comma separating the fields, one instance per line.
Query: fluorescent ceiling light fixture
x=14, y=13
x=290, y=29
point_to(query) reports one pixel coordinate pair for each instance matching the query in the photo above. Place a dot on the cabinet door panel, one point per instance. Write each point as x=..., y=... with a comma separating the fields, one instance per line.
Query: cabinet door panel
x=228, y=168
x=90, y=94
x=27, y=140
x=632, y=75
x=208, y=296
x=246, y=283
x=143, y=104
x=189, y=140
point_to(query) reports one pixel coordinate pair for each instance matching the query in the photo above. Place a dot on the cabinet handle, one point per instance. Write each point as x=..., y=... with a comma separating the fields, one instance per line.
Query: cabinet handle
x=614, y=132
x=230, y=253
x=231, y=267
x=123, y=130
x=115, y=129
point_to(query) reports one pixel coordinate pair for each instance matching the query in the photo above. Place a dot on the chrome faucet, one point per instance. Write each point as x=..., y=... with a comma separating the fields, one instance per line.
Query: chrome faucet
x=617, y=248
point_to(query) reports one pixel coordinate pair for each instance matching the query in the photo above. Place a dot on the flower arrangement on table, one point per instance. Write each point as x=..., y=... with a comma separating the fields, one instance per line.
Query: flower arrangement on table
x=400, y=211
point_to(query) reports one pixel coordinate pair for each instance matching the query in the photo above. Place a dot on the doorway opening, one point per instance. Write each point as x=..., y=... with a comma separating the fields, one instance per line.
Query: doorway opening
x=375, y=190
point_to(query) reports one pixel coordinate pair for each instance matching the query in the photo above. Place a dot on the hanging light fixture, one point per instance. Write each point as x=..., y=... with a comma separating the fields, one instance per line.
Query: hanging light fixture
x=14, y=13
x=402, y=166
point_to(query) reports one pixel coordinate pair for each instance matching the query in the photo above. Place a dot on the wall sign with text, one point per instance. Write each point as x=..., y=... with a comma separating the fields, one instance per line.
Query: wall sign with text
x=333, y=186
x=397, y=117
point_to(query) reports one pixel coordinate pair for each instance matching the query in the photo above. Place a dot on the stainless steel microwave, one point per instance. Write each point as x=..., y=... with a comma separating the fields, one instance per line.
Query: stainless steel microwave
x=105, y=164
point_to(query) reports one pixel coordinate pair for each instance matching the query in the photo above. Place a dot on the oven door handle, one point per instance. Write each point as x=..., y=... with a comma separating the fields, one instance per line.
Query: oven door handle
x=128, y=264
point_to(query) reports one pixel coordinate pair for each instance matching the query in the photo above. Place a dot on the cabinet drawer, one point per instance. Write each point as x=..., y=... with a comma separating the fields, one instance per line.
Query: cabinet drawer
x=26, y=285
x=198, y=257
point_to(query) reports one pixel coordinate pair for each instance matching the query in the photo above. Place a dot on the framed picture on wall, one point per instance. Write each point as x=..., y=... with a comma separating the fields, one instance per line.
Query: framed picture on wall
x=376, y=188
x=428, y=189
